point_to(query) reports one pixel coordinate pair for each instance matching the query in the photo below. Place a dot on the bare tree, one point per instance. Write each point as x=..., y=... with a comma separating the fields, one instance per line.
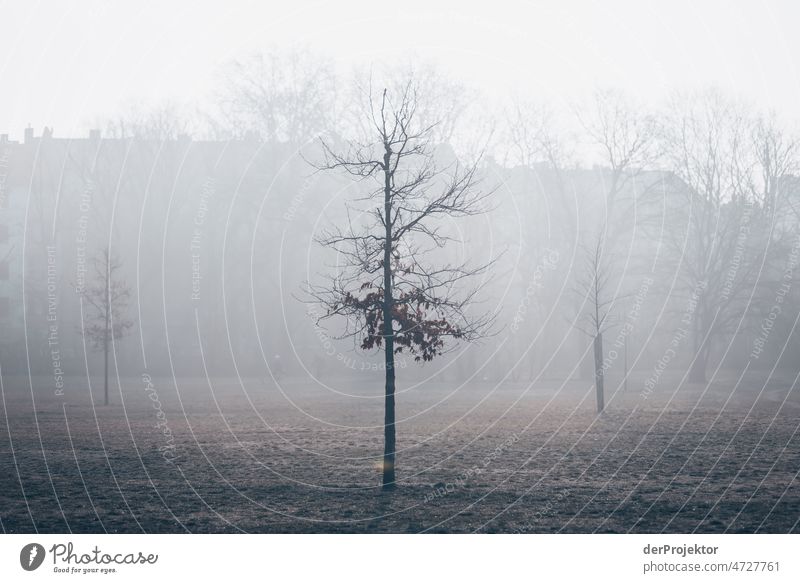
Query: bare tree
x=159, y=124
x=388, y=291
x=719, y=231
x=776, y=155
x=280, y=96
x=108, y=297
x=592, y=286
x=447, y=100
x=534, y=139
x=624, y=137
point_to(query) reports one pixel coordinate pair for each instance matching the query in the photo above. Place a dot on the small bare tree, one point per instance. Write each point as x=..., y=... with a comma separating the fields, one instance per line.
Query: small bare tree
x=592, y=286
x=108, y=297
x=388, y=294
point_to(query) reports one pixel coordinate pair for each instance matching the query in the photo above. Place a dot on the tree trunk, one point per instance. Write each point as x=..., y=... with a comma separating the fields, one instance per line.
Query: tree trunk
x=388, y=334
x=598, y=371
x=105, y=344
x=388, y=420
x=105, y=374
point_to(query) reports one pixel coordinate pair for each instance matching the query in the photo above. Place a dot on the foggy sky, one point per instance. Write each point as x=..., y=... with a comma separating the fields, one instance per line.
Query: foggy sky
x=66, y=65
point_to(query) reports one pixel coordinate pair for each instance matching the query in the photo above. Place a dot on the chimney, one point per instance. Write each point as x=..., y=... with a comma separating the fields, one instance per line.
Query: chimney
x=28, y=135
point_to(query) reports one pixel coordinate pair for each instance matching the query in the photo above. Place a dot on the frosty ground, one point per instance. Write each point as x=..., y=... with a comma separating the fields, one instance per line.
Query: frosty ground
x=224, y=455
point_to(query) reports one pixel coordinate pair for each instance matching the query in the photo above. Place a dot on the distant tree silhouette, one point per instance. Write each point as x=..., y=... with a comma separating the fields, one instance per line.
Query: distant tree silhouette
x=108, y=297
x=727, y=171
x=279, y=97
x=593, y=288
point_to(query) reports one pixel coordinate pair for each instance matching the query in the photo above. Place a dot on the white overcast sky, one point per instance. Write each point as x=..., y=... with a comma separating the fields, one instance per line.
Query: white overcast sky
x=65, y=64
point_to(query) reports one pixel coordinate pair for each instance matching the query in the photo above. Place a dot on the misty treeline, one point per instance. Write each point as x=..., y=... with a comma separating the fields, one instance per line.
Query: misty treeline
x=671, y=231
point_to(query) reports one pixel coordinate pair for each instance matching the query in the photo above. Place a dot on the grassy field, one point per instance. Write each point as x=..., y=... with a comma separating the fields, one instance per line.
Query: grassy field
x=255, y=457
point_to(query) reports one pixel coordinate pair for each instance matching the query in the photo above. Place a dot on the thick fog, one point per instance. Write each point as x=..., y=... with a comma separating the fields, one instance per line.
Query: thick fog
x=345, y=267
x=671, y=231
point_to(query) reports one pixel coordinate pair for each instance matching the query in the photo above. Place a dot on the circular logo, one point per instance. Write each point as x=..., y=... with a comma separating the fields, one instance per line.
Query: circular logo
x=31, y=556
